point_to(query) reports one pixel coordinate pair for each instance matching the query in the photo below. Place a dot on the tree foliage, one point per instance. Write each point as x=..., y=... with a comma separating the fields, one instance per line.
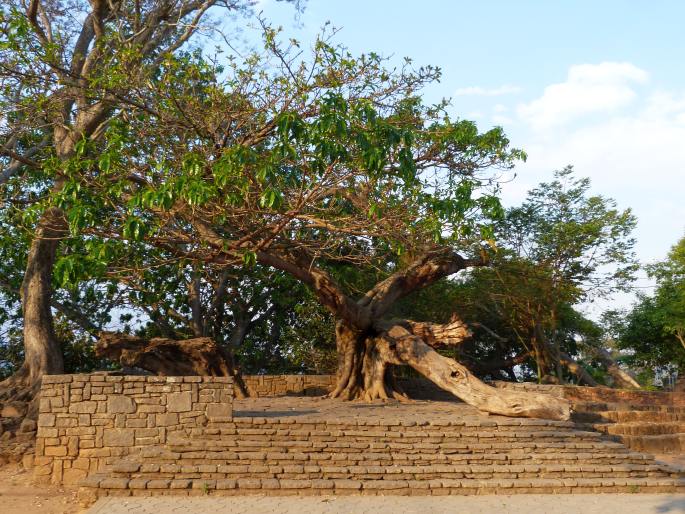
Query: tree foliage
x=654, y=329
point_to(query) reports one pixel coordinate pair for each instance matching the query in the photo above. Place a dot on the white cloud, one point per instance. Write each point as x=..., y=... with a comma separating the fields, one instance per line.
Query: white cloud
x=506, y=89
x=638, y=158
x=589, y=88
x=474, y=115
x=501, y=120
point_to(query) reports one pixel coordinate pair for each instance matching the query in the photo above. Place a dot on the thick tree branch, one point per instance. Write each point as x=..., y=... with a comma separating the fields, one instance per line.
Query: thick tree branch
x=435, y=335
x=426, y=270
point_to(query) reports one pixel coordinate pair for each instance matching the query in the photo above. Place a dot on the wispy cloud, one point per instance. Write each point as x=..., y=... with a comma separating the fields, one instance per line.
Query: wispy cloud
x=589, y=88
x=506, y=89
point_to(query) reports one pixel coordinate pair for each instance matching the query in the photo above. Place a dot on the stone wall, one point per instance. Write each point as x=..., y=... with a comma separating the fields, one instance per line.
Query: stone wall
x=87, y=422
x=281, y=385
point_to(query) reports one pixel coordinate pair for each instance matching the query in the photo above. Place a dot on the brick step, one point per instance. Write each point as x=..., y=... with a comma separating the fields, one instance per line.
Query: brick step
x=596, y=443
x=608, y=406
x=397, y=429
x=641, y=428
x=620, y=416
x=609, y=450
x=665, y=443
x=414, y=472
x=286, y=435
x=342, y=460
x=574, y=451
x=397, y=424
x=613, y=450
x=99, y=485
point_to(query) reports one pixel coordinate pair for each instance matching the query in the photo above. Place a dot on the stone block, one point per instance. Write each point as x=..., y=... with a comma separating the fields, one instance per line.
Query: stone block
x=120, y=404
x=179, y=484
x=83, y=407
x=126, y=466
x=118, y=437
x=56, y=451
x=167, y=419
x=137, y=483
x=72, y=446
x=249, y=483
x=158, y=483
x=56, y=379
x=219, y=410
x=73, y=476
x=179, y=402
x=226, y=484
x=114, y=483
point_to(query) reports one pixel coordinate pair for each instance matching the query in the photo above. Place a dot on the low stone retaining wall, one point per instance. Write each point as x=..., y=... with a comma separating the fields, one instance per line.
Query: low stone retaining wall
x=281, y=385
x=261, y=386
x=87, y=422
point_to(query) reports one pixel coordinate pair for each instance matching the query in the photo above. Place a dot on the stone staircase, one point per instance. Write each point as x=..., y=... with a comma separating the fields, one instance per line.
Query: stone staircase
x=283, y=455
x=658, y=429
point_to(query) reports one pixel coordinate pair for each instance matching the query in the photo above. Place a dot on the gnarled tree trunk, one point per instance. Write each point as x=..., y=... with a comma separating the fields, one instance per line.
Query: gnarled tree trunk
x=169, y=357
x=621, y=378
x=365, y=358
x=367, y=343
x=42, y=350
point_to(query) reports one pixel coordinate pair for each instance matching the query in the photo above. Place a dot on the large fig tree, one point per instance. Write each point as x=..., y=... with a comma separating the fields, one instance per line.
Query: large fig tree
x=303, y=164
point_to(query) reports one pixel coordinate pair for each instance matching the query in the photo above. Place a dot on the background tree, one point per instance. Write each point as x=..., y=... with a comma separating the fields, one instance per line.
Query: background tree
x=68, y=69
x=560, y=248
x=654, y=329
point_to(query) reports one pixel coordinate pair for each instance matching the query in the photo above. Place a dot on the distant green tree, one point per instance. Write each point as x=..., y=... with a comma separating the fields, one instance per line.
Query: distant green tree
x=654, y=329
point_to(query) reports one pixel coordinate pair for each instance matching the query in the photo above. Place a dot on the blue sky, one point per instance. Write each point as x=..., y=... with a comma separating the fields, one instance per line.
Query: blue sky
x=600, y=85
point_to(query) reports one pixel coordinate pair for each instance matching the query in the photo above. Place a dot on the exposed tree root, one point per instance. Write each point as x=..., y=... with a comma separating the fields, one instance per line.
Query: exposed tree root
x=364, y=368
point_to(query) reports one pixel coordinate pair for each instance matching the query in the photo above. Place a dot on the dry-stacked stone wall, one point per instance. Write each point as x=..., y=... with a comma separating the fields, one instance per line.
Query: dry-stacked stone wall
x=87, y=422
x=282, y=385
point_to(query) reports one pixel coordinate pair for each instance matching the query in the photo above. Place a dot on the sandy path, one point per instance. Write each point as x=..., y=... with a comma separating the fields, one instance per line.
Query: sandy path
x=18, y=495
x=523, y=503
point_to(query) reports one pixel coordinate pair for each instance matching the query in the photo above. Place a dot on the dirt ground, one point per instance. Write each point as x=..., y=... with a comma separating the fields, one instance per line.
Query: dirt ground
x=19, y=495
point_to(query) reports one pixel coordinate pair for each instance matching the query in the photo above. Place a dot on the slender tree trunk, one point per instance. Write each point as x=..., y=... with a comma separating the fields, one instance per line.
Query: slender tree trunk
x=42, y=350
x=622, y=379
x=197, y=321
x=543, y=354
x=584, y=378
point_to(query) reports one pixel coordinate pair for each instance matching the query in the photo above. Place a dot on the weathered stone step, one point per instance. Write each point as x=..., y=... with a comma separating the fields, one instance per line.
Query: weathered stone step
x=293, y=456
x=665, y=443
x=398, y=424
x=608, y=406
x=323, y=450
x=100, y=485
x=288, y=436
x=641, y=428
x=626, y=416
x=366, y=472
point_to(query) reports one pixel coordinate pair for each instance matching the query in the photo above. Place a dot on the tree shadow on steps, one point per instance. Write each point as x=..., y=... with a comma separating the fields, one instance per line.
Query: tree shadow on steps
x=673, y=505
